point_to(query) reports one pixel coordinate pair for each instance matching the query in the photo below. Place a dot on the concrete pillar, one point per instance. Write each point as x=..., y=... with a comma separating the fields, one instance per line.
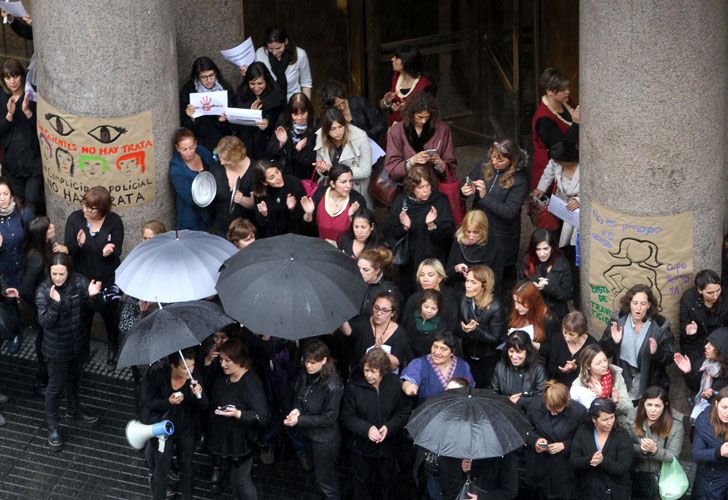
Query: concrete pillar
x=653, y=97
x=113, y=59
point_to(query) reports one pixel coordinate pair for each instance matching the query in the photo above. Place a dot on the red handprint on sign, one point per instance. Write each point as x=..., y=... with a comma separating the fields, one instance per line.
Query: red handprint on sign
x=206, y=103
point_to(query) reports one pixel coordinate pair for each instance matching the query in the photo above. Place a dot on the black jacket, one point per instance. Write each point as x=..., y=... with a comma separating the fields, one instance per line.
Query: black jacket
x=693, y=309
x=318, y=403
x=509, y=380
x=374, y=289
x=255, y=139
x=449, y=310
x=156, y=405
x=551, y=474
x=64, y=322
x=366, y=117
x=19, y=140
x=88, y=259
x=496, y=477
x=560, y=288
x=364, y=406
x=610, y=479
x=208, y=130
x=280, y=220
x=490, y=254
x=490, y=332
x=287, y=157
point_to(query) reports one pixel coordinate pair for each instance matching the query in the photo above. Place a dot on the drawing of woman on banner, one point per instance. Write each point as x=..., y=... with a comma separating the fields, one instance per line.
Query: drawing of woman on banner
x=638, y=265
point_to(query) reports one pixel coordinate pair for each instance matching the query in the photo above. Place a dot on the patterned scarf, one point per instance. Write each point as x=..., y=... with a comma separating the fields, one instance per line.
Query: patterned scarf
x=606, y=383
x=710, y=369
x=9, y=210
x=201, y=88
x=442, y=378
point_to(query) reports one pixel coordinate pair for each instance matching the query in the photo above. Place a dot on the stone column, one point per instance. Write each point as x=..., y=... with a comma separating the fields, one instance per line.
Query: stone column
x=114, y=58
x=653, y=97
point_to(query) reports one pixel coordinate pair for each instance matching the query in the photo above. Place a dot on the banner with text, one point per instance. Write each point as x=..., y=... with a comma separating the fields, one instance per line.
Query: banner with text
x=80, y=152
x=626, y=250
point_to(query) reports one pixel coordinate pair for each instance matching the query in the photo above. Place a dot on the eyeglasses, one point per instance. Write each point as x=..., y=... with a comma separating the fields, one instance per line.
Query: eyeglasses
x=86, y=207
x=378, y=309
x=208, y=77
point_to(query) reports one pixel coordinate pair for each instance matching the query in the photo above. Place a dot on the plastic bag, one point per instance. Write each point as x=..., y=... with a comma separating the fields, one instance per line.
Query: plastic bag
x=673, y=480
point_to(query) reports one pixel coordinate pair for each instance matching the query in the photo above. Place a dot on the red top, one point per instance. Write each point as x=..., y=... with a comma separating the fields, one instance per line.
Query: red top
x=540, y=152
x=422, y=83
x=332, y=227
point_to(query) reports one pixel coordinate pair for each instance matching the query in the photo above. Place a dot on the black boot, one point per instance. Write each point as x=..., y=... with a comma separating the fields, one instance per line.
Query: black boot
x=215, y=480
x=111, y=355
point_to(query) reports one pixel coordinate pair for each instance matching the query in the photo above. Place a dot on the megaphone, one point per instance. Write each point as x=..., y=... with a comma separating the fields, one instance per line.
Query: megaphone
x=138, y=433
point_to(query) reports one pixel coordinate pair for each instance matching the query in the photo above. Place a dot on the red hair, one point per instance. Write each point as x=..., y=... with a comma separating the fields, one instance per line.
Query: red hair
x=540, y=235
x=531, y=297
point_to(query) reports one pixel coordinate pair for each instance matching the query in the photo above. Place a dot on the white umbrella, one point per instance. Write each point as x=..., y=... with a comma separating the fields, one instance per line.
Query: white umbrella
x=176, y=266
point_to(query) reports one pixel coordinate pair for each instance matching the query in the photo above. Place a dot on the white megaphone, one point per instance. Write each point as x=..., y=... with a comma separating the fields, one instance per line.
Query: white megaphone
x=138, y=433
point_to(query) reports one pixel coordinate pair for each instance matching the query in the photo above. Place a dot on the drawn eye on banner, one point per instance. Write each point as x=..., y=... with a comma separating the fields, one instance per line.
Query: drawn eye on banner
x=80, y=152
x=625, y=250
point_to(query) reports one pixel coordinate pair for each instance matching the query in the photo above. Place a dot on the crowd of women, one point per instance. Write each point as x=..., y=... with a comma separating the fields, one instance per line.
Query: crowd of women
x=448, y=302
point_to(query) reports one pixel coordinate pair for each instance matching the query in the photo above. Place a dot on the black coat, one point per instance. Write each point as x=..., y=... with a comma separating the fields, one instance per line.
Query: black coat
x=88, y=259
x=560, y=288
x=509, y=380
x=225, y=211
x=363, y=338
x=364, y=406
x=503, y=208
x=557, y=354
x=318, y=403
x=497, y=477
x=448, y=311
x=490, y=332
x=312, y=227
x=611, y=479
x=64, y=322
x=374, y=289
x=255, y=139
x=208, y=130
x=280, y=220
x=287, y=157
x=19, y=140
x=156, y=405
x=553, y=475
x=366, y=117
x=692, y=308
x=489, y=254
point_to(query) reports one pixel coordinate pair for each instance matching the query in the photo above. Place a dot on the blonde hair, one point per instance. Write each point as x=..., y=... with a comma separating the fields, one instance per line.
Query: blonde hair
x=555, y=395
x=231, y=148
x=484, y=275
x=474, y=220
x=155, y=226
x=507, y=149
x=433, y=263
x=379, y=257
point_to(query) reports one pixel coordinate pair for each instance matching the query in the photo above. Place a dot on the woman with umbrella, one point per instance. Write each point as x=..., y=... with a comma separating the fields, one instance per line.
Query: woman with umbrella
x=601, y=454
x=64, y=301
x=380, y=330
x=421, y=221
x=276, y=199
x=173, y=393
x=555, y=420
x=315, y=412
x=239, y=411
x=373, y=412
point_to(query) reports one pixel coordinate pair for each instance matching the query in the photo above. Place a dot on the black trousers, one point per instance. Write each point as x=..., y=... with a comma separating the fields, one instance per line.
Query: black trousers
x=160, y=463
x=63, y=377
x=29, y=189
x=483, y=368
x=42, y=374
x=372, y=474
x=110, y=313
x=324, y=458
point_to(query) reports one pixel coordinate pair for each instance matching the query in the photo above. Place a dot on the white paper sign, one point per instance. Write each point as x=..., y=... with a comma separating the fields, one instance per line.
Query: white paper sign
x=557, y=206
x=528, y=329
x=377, y=152
x=209, y=103
x=242, y=116
x=15, y=9
x=242, y=55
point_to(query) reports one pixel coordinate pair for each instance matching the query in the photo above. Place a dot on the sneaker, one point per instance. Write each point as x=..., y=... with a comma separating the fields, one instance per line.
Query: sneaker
x=82, y=418
x=3, y=398
x=267, y=455
x=54, y=438
x=14, y=345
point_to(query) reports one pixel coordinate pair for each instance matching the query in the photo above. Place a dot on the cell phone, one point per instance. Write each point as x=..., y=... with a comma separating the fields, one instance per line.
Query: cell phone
x=468, y=181
x=543, y=446
x=177, y=394
x=431, y=152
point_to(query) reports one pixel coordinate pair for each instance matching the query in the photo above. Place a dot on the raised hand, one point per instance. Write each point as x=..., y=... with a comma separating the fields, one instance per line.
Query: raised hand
x=616, y=333
x=431, y=215
x=262, y=208
x=291, y=201
x=81, y=237
x=682, y=362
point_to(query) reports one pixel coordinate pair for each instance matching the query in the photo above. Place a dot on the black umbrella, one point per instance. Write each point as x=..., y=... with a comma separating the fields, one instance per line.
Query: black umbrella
x=291, y=287
x=171, y=328
x=468, y=423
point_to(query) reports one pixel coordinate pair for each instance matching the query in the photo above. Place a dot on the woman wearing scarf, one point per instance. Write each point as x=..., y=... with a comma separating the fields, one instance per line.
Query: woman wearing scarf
x=205, y=77
x=288, y=63
x=259, y=92
x=291, y=146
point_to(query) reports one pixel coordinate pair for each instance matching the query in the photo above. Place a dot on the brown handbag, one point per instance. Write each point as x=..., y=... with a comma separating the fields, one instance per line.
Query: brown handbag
x=381, y=187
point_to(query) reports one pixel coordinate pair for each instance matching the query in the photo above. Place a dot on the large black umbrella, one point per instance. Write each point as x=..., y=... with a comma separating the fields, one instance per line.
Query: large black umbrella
x=291, y=287
x=468, y=423
x=171, y=328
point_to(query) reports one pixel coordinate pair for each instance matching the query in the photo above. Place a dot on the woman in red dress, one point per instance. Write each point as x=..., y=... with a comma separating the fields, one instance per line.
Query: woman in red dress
x=408, y=77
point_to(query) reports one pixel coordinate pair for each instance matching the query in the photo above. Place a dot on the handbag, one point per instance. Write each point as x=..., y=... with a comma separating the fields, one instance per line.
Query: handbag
x=310, y=185
x=673, y=481
x=451, y=189
x=381, y=187
x=538, y=211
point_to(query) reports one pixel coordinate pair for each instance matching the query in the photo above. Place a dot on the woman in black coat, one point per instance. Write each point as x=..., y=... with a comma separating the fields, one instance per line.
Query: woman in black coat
x=555, y=420
x=172, y=395
x=239, y=411
x=363, y=234
x=472, y=247
x=373, y=412
x=519, y=375
x=94, y=236
x=431, y=275
x=602, y=454
x=549, y=270
x=291, y=145
x=259, y=91
x=64, y=301
x=276, y=198
x=422, y=215
x=356, y=110
x=425, y=322
x=702, y=310
x=205, y=77
x=482, y=324
x=315, y=412
x=372, y=262
x=563, y=350
x=500, y=187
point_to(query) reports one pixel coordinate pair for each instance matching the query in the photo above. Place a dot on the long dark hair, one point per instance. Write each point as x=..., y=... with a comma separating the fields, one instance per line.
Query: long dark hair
x=664, y=424
x=540, y=235
x=260, y=189
x=36, y=241
x=298, y=103
x=317, y=351
x=256, y=70
x=364, y=213
x=61, y=259
x=278, y=34
x=204, y=63
x=521, y=341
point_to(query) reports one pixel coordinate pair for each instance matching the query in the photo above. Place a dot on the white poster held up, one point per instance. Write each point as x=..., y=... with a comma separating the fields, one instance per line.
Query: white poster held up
x=14, y=9
x=209, y=103
x=243, y=116
x=557, y=206
x=242, y=55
